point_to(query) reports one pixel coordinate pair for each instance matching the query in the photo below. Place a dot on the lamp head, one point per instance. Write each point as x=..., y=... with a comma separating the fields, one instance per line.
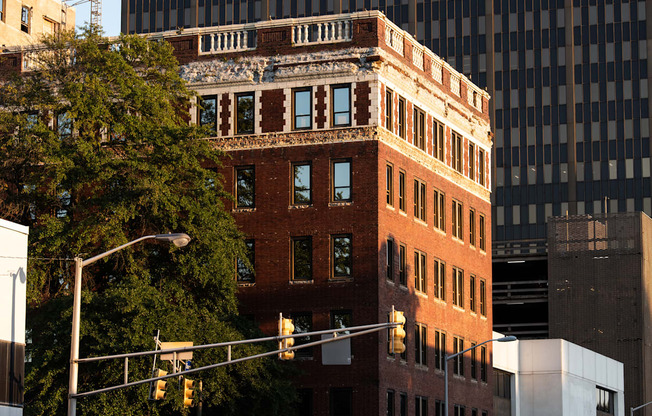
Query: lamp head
x=507, y=339
x=178, y=239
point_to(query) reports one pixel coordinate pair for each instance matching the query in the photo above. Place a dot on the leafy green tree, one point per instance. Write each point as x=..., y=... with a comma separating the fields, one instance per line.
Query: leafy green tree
x=96, y=150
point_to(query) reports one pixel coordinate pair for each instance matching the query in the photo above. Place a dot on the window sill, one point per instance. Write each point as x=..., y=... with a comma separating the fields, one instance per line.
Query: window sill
x=390, y=282
x=300, y=206
x=391, y=207
x=439, y=300
x=340, y=280
x=483, y=317
x=402, y=287
x=246, y=284
x=421, y=367
x=421, y=294
x=243, y=209
x=457, y=308
x=340, y=203
x=440, y=231
x=302, y=282
x=458, y=240
x=420, y=221
x=403, y=213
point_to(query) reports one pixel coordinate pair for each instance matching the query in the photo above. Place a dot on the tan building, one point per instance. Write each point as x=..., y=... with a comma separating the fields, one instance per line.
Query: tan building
x=23, y=22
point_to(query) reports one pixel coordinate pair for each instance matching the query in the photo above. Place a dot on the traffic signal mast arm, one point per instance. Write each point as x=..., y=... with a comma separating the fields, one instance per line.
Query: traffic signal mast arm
x=355, y=331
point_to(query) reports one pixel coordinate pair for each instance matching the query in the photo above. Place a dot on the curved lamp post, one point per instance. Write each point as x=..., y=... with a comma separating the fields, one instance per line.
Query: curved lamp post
x=633, y=409
x=178, y=239
x=450, y=357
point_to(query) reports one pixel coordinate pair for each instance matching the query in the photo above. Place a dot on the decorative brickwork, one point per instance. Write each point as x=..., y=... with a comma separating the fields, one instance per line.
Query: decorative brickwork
x=320, y=107
x=362, y=102
x=272, y=110
x=225, y=114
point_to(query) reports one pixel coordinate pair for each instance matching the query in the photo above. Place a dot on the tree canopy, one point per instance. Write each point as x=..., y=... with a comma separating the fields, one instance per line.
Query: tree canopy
x=97, y=150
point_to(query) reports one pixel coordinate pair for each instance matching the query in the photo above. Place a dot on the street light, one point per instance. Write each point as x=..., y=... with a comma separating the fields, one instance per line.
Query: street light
x=178, y=239
x=450, y=357
x=632, y=409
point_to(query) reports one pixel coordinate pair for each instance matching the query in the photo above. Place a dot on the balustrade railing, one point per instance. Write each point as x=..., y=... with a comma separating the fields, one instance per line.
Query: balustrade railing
x=455, y=84
x=227, y=41
x=417, y=57
x=322, y=32
x=394, y=38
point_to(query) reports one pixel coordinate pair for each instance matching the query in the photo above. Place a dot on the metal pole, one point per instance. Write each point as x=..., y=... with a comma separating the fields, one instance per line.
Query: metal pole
x=74, y=342
x=445, y=384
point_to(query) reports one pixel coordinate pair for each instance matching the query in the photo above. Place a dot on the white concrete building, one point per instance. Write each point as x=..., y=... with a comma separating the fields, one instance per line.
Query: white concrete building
x=13, y=284
x=553, y=377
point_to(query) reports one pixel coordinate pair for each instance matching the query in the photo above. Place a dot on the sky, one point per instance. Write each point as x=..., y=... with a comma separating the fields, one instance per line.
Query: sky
x=110, y=15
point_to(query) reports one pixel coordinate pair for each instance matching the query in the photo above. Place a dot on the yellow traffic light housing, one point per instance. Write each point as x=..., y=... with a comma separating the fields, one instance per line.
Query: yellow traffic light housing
x=286, y=328
x=398, y=333
x=159, y=385
x=188, y=392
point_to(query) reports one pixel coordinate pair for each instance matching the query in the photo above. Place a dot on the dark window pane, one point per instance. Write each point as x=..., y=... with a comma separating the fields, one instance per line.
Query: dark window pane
x=302, y=183
x=245, y=268
x=302, y=259
x=245, y=187
x=342, y=256
x=245, y=113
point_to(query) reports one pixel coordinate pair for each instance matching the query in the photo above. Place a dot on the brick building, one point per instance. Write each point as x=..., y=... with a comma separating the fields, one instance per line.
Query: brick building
x=359, y=162
x=360, y=166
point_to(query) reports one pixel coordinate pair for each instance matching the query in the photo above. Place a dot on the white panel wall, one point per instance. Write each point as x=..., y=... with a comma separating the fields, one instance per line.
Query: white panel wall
x=13, y=276
x=553, y=377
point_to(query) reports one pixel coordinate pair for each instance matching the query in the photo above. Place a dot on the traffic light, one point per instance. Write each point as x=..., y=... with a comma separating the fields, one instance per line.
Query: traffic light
x=188, y=392
x=287, y=328
x=398, y=332
x=159, y=385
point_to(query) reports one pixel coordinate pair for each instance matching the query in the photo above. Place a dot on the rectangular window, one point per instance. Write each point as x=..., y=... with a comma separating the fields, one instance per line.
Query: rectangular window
x=605, y=400
x=472, y=161
x=389, y=184
x=474, y=362
x=472, y=303
x=481, y=174
x=2, y=10
x=439, y=408
x=245, y=267
x=419, y=127
x=244, y=113
x=304, y=405
x=502, y=384
x=341, y=401
x=341, y=174
x=440, y=350
x=420, y=271
x=302, y=324
x=403, y=405
x=457, y=151
x=421, y=406
x=389, y=109
x=483, y=363
x=420, y=344
x=440, y=280
x=341, y=105
x=456, y=214
x=459, y=410
x=439, y=203
x=390, y=259
x=438, y=140
x=458, y=362
x=341, y=320
x=24, y=19
x=420, y=200
x=64, y=125
x=472, y=227
x=401, y=191
x=402, y=265
x=207, y=115
x=245, y=187
x=458, y=287
x=482, y=235
x=390, y=402
x=401, y=117
x=302, y=108
x=301, y=258
x=342, y=256
x=302, y=184
x=483, y=297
